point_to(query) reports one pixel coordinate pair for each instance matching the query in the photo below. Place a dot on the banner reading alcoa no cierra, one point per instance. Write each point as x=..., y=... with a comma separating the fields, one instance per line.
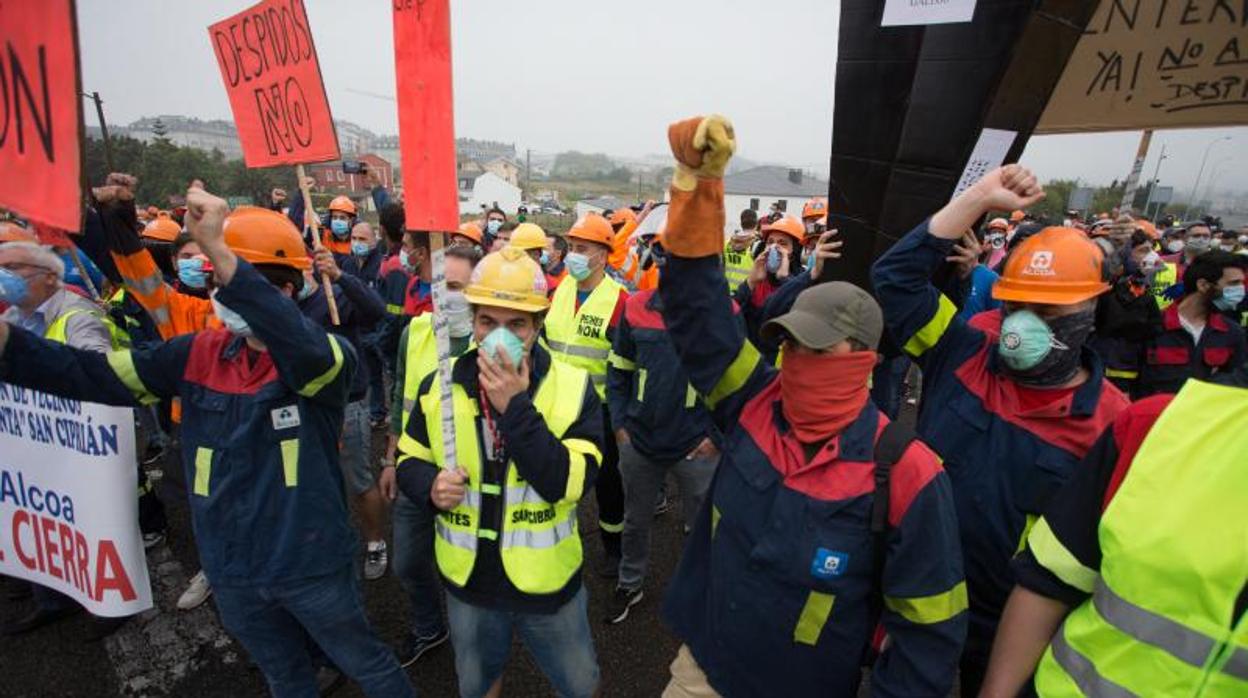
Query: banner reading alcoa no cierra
x=68, y=500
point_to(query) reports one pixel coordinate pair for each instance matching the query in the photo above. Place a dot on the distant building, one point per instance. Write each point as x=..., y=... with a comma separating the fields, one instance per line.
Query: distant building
x=505, y=168
x=759, y=187
x=597, y=205
x=330, y=177
x=487, y=190
x=483, y=151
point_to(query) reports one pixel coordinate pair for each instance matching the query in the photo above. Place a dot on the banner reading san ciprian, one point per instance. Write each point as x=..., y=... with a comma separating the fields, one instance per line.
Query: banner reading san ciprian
x=68, y=500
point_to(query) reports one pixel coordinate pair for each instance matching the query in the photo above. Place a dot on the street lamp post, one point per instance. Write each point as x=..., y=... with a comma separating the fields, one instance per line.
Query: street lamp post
x=1192, y=199
x=1213, y=176
x=1152, y=186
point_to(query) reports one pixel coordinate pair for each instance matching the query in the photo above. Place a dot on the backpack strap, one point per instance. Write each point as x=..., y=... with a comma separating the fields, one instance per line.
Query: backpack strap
x=889, y=449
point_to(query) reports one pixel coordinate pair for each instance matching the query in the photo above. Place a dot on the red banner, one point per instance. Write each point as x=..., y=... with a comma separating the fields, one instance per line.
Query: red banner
x=268, y=62
x=422, y=58
x=41, y=117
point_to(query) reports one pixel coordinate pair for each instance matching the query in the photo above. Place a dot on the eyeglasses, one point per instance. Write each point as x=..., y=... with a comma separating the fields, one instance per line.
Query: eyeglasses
x=18, y=266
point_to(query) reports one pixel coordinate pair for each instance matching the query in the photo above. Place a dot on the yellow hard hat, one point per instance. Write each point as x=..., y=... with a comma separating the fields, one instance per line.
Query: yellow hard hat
x=509, y=278
x=528, y=236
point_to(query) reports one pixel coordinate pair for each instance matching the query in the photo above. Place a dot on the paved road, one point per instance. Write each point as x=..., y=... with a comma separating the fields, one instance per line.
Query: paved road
x=172, y=653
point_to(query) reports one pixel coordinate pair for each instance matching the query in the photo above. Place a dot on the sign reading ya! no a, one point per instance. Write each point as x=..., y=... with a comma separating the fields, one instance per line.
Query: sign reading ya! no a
x=271, y=74
x=40, y=112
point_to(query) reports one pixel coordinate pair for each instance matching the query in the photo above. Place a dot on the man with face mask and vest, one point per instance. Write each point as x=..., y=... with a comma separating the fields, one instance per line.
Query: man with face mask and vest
x=737, y=260
x=263, y=404
x=795, y=560
x=579, y=330
x=413, y=520
x=1133, y=583
x=1021, y=397
x=1194, y=339
x=528, y=434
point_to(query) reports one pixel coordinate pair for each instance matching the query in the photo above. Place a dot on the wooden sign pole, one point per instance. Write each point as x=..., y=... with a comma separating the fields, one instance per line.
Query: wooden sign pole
x=309, y=217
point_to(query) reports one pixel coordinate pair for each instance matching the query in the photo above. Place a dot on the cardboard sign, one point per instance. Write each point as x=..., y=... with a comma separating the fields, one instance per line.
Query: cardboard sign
x=422, y=57
x=268, y=62
x=69, y=515
x=41, y=112
x=1155, y=64
x=909, y=12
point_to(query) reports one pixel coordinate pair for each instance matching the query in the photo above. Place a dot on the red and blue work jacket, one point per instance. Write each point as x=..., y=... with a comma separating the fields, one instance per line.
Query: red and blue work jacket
x=1171, y=356
x=259, y=429
x=776, y=593
x=1005, y=455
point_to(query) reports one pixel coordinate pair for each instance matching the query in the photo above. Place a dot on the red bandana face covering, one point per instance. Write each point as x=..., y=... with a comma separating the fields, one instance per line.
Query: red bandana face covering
x=821, y=394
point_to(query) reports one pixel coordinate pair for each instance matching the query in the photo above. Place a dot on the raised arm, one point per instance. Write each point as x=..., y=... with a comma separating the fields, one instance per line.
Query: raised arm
x=721, y=364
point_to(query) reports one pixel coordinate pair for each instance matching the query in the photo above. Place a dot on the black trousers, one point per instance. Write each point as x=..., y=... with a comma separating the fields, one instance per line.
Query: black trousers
x=609, y=490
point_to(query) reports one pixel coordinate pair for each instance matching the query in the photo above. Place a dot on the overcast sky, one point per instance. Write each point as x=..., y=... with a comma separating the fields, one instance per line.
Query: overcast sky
x=568, y=74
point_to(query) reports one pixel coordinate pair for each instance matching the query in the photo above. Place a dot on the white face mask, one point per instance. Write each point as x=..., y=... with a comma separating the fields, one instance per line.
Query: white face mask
x=458, y=314
x=232, y=320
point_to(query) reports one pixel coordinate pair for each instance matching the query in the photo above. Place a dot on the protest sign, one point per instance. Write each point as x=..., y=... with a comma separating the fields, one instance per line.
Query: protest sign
x=40, y=112
x=422, y=57
x=268, y=62
x=1155, y=64
x=68, y=500
x=910, y=12
x=990, y=151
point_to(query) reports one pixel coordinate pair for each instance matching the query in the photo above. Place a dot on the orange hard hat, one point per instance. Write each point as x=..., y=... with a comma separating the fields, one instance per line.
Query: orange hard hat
x=592, y=228
x=261, y=236
x=1149, y=229
x=1017, y=216
x=162, y=228
x=815, y=208
x=789, y=226
x=342, y=204
x=998, y=224
x=620, y=216
x=12, y=232
x=1057, y=266
x=471, y=231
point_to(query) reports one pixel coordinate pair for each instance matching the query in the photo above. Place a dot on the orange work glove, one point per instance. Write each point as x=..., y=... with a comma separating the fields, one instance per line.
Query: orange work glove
x=695, y=220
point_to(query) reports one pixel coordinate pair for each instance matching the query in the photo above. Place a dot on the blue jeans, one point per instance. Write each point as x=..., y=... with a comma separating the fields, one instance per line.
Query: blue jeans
x=560, y=644
x=274, y=622
x=414, y=565
x=356, y=456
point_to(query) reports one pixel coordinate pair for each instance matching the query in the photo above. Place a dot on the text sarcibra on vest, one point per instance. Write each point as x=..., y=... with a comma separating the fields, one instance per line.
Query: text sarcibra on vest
x=44, y=540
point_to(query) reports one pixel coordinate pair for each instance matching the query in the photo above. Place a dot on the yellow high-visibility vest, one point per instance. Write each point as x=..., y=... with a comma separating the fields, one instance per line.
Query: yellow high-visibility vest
x=579, y=337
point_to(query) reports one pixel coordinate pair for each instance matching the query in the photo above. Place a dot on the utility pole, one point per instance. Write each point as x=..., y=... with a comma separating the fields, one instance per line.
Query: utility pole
x=638, y=185
x=1152, y=187
x=528, y=174
x=1191, y=200
x=99, y=112
x=1133, y=179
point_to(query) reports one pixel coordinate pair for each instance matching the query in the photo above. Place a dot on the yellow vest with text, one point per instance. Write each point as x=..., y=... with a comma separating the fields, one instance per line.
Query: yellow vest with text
x=538, y=540
x=737, y=266
x=1166, y=277
x=420, y=360
x=579, y=337
x=1174, y=543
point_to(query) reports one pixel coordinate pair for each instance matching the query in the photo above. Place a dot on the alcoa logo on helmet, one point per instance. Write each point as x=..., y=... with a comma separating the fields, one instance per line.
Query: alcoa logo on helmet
x=1041, y=264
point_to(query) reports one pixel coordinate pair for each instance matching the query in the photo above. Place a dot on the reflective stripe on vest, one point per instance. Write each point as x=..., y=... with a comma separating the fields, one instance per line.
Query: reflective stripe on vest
x=1161, y=620
x=579, y=337
x=538, y=540
x=737, y=266
x=57, y=331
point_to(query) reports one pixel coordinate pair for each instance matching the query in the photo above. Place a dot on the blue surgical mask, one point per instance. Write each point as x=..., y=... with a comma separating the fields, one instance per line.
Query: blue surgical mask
x=504, y=340
x=405, y=260
x=773, y=260
x=232, y=320
x=545, y=258
x=191, y=272
x=578, y=265
x=360, y=248
x=12, y=288
x=1230, y=299
x=340, y=228
x=493, y=226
